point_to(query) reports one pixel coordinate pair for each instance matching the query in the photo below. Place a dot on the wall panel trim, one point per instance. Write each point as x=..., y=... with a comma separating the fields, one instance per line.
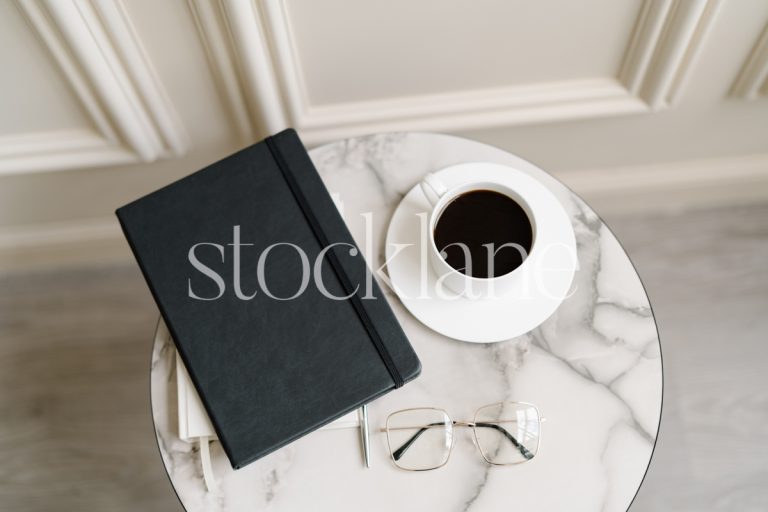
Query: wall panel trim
x=661, y=50
x=667, y=39
x=97, y=50
x=752, y=81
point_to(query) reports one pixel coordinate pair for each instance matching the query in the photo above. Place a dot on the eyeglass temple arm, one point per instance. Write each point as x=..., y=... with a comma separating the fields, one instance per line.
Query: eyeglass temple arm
x=400, y=451
x=523, y=450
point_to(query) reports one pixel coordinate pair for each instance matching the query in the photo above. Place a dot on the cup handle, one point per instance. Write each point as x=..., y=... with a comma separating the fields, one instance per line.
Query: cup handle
x=433, y=188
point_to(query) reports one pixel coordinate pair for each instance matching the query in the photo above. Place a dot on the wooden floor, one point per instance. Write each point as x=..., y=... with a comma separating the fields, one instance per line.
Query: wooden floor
x=76, y=432
x=707, y=276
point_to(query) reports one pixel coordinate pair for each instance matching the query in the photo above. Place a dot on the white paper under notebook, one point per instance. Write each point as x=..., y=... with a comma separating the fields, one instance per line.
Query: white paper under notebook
x=194, y=422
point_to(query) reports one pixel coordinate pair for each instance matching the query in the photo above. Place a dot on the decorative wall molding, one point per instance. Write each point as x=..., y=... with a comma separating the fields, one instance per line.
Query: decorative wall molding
x=58, y=150
x=213, y=28
x=664, y=45
x=234, y=38
x=466, y=110
x=252, y=51
x=59, y=233
x=97, y=50
x=704, y=173
x=752, y=81
x=672, y=186
x=91, y=242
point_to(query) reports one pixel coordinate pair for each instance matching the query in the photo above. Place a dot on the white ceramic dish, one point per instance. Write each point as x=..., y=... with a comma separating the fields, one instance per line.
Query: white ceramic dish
x=549, y=268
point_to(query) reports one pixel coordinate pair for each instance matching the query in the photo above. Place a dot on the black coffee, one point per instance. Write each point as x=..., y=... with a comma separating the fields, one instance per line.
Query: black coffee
x=478, y=218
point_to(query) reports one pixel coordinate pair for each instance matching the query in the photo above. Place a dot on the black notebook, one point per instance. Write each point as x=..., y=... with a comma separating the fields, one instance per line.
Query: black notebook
x=291, y=334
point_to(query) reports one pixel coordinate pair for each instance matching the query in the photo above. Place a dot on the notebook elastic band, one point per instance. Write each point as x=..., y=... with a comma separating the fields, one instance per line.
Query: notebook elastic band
x=317, y=229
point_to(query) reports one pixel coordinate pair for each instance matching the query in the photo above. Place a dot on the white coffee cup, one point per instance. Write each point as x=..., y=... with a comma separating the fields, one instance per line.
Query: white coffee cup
x=439, y=197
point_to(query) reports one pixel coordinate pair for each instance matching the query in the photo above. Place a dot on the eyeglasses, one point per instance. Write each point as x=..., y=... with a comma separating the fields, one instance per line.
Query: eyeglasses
x=505, y=433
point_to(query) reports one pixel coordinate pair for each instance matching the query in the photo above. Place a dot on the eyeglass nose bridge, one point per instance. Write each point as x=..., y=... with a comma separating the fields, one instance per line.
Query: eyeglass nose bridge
x=470, y=424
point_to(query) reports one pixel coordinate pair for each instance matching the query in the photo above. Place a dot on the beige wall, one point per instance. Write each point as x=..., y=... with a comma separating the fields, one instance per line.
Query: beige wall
x=105, y=100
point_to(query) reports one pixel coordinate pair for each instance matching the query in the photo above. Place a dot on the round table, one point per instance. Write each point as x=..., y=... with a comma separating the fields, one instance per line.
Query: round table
x=593, y=369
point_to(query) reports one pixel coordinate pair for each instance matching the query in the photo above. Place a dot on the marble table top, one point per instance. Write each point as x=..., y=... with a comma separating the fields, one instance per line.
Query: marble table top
x=593, y=369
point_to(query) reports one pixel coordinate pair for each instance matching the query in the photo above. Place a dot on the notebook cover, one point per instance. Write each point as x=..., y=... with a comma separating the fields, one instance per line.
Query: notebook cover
x=268, y=371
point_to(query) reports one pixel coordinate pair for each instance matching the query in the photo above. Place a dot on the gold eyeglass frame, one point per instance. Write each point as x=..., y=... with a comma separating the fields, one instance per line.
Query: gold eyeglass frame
x=454, y=423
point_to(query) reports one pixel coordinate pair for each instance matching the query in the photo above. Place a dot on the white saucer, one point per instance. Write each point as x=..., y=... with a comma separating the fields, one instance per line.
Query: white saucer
x=487, y=319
